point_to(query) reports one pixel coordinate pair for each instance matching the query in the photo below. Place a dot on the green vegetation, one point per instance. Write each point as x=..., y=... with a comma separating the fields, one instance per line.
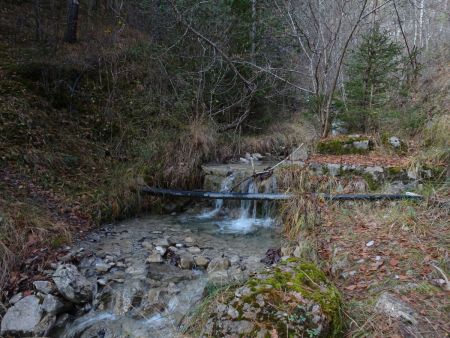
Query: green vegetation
x=343, y=145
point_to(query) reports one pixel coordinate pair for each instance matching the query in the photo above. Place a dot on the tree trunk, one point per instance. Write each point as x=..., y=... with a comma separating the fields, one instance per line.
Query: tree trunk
x=72, y=20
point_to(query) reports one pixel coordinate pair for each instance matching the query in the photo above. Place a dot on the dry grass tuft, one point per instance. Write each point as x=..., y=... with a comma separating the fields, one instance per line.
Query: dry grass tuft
x=303, y=211
x=280, y=138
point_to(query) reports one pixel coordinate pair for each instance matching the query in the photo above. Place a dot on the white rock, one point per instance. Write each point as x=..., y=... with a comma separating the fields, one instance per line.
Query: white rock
x=370, y=243
x=363, y=145
x=160, y=250
x=23, y=318
x=243, y=160
x=72, y=285
x=392, y=307
x=394, y=141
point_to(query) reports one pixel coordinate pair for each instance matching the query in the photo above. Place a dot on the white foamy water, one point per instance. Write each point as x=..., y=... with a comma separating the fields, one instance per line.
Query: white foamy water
x=248, y=219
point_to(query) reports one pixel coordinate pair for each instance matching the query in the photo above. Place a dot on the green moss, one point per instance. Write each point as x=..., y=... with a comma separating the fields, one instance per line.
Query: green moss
x=308, y=280
x=342, y=146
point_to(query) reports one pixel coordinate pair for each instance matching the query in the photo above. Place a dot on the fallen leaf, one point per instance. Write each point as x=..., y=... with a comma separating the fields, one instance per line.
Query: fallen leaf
x=393, y=262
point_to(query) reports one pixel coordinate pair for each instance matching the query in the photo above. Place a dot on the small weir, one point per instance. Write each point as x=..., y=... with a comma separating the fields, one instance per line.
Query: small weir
x=151, y=272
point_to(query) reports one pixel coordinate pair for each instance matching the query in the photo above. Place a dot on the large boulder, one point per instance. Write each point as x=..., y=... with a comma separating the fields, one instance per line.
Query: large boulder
x=292, y=297
x=23, y=319
x=72, y=285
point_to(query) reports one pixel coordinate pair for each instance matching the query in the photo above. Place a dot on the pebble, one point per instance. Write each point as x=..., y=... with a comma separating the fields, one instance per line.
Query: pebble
x=189, y=241
x=201, y=261
x=194, y=249
x=370, y=243
x=186, y=262
x=154, y=258
x=161, y=242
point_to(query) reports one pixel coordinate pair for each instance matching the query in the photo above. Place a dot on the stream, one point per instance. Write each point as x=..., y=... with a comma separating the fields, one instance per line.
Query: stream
x=152, y=271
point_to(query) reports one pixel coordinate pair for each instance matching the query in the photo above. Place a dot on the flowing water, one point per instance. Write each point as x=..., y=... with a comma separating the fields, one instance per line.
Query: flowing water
x=135, y=298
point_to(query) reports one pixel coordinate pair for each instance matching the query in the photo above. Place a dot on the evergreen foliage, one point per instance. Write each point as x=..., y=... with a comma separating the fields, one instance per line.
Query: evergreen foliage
x=373, y=78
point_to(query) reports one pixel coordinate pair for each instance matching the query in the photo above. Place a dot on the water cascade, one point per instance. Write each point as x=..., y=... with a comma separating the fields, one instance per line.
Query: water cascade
x=248, y=215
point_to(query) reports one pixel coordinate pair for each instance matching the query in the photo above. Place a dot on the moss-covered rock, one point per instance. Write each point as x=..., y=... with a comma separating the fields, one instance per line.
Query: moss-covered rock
x=346, y=144
x=292, y=299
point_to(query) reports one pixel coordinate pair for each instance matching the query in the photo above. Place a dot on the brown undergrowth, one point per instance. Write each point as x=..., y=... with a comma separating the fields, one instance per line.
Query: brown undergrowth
x=409, y=241
x=371, y=247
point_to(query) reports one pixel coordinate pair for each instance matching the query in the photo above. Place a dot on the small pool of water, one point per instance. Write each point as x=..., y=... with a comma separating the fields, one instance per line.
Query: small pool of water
x=140, y=299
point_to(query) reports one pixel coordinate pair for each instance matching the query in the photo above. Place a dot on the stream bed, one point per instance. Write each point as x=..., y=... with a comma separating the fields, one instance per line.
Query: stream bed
x=151, y=271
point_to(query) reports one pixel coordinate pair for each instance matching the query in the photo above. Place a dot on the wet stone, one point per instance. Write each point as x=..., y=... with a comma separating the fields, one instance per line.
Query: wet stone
x=218, y=264
x=162, y=242
x=154, y=258
x=201, y=261
x=194, y=249
x=186, y=261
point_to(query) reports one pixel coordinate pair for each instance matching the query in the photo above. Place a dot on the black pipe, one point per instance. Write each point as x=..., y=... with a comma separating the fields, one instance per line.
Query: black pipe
x=274, y=197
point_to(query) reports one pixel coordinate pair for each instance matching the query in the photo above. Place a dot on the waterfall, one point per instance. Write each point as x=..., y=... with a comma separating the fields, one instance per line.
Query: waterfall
x=225, y=186
x=251, y=214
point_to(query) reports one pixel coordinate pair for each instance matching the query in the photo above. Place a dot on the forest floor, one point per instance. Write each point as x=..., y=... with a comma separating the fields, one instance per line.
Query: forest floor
x=371, y=248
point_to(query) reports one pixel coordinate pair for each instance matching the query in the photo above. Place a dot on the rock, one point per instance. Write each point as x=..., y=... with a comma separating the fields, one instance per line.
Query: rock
x=14, y=299
x=218, y=264
x=102, y=267
x=189, y=241
x=362, y=145
x=154, y=258
x=392, y=307
x=194, y=250
x=43, y=286
x=333, y=169
x=218, y=277
x=395, y=141
x=243, y=160
x=147, y=245
x=370, y=243
x=23, y=318
x=52, y=305
x=201, y=261
x=186, y=261
x=161, y=250
x=102, y=281
x=72, y=285
x=287, y=297
x=232, y=312
x=162, y=242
